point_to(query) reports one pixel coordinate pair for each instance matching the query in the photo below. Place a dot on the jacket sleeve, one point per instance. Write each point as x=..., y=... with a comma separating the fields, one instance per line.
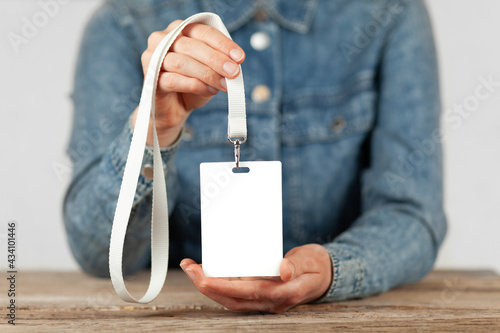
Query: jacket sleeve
x=108, y=83
x=397, y=236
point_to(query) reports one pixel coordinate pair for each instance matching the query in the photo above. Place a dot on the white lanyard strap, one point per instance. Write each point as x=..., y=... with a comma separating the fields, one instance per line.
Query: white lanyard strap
x=159, y=225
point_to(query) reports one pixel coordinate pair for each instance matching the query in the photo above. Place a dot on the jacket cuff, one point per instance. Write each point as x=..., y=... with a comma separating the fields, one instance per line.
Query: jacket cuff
x=348, y=274
x=119, y=154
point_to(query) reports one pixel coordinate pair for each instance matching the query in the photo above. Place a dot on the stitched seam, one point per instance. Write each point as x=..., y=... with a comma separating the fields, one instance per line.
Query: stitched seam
x=337, y=94
x=360, y=278
x=336, y=265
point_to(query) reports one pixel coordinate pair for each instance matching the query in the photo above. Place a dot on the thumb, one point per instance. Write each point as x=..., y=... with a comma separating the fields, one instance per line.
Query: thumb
x=297, y=262
x=287, y=270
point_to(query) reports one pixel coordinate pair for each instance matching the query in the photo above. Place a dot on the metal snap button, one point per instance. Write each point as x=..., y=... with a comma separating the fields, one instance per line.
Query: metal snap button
x=188, y=133
x=147, y=171
x=260, y=40
x=339, y=124
x=261, y=94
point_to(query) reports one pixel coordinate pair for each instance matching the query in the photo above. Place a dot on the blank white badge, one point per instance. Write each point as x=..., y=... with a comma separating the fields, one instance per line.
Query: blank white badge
x=241, y=219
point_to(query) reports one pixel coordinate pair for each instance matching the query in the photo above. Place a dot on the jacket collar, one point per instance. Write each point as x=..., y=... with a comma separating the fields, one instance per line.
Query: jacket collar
x=295, y=15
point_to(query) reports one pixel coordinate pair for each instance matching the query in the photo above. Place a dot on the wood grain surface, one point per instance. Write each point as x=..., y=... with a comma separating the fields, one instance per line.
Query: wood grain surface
x=444, y=301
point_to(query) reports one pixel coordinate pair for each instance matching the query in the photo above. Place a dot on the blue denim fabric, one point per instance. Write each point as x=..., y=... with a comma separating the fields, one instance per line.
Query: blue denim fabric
x=353, y=115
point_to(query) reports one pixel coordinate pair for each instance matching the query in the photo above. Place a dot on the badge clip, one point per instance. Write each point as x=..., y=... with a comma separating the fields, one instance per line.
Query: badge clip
x=237, y=149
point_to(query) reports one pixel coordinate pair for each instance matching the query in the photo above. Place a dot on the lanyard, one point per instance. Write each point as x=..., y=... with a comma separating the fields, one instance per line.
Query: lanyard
x=237, y=134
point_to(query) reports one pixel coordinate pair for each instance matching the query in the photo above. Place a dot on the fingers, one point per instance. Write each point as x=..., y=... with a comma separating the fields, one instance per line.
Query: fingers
x=248, y=289
x=304, y=277
x=216, y=40
x=173, y=82
x=153, y=40
x=237, y=294
x=173, y=25
x=183, y=65
x=186, y=262
x=200, y=53
x=236, y=304
x=209, y=35
x=245, y=289
x=192, y=72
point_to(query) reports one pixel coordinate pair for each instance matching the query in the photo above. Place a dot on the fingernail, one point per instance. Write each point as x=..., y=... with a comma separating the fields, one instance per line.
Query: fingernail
x=291, y=269
x=191, y=274
x=236, y=54
x=223, y=83
x=230, y=68
x=212, y=90
x=183, y=265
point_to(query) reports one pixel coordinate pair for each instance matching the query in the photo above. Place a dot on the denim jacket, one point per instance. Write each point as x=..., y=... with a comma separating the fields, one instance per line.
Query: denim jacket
x=344, y=93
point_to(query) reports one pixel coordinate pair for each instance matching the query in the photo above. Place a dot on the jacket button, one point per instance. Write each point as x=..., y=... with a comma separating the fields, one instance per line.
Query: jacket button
x=147, y=171
x=188, y=133
x=339, y=124
x=260, y=40
x=261, y=94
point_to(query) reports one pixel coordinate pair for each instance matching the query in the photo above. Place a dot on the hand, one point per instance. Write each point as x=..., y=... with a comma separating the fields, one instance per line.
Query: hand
x=193, y=72
x=305, y=275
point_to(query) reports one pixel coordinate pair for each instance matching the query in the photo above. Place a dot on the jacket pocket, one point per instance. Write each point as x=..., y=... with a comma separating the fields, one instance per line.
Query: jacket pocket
x=330, y=113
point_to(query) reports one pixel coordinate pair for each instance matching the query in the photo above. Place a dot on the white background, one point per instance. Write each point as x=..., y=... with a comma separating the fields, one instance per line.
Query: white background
x=36, y=111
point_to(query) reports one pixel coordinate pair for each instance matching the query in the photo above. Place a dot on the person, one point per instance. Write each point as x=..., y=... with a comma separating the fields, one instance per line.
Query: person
x=344, y=93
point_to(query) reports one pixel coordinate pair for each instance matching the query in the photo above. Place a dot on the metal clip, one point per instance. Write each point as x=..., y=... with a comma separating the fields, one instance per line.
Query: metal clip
x=237, y=149
x=237, y=153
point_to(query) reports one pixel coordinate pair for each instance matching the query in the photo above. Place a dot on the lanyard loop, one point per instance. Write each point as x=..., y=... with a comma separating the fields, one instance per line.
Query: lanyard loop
x=159, y=225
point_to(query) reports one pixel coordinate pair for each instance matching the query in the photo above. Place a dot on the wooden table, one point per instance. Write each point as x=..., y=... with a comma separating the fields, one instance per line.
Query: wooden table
x=443, y=301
